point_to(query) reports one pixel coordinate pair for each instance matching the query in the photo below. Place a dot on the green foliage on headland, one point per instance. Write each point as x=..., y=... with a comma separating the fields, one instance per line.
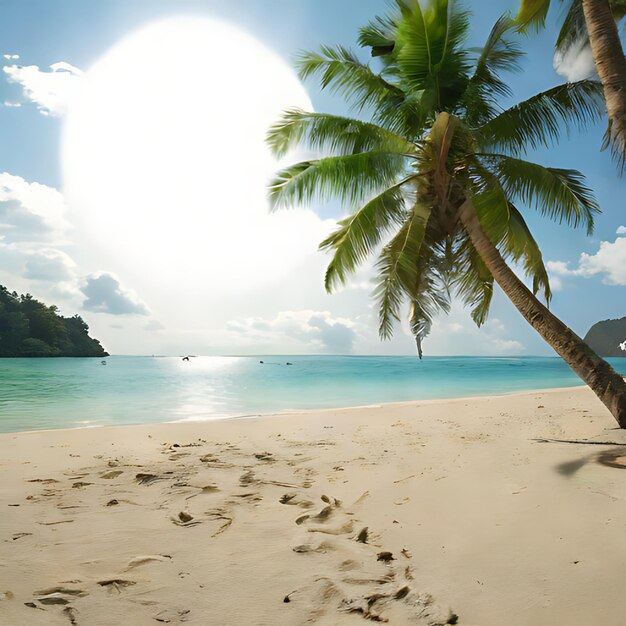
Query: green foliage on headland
x=29, y=328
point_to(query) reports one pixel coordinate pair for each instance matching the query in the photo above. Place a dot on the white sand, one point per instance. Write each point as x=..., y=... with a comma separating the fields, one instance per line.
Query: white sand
x=481, y=520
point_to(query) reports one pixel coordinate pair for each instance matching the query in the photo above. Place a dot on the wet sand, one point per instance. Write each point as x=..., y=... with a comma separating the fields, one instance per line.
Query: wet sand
x=417, y=513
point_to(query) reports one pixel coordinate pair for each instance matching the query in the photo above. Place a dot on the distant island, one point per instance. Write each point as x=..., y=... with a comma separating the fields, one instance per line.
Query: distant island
x=608, y=338
x=29, y=328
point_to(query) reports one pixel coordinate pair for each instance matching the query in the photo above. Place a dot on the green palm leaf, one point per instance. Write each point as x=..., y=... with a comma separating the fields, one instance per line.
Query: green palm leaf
x=486, y=86
x=332, y=134
x=428, y=52
x=398, y=269
x=489, y=199
x=380, y=34
x=540, y=120
x=520, y=245
x=574, y=28
x=473, y=282
x=341, y=72
x=428, y=297
x=361, y=233
x=532, y=13
x=351, y=179
x=559, y=194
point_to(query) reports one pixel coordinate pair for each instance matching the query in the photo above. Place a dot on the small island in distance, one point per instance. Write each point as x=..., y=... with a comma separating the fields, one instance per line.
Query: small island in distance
x=29, y=328
x=608, y=337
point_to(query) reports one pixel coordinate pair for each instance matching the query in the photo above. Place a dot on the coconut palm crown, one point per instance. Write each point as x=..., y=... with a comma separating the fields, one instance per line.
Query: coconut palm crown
x=437, y=181
x=437, y=139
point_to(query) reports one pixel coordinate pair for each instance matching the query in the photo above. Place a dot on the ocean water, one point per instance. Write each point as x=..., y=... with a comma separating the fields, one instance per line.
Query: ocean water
x=68, y=393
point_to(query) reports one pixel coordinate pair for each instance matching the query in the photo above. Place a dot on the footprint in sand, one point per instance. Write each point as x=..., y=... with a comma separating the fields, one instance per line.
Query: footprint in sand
x=248, y=478
x=172, y=616
x=184, y=518
x=211, y=460
x=368, y=583
x=318, y=523
x=147, y=479
x=323, y=515
x=70, y=613
x=138, y=561
x=111, y=474
x=58, y=595
x=221, y=516
x=251, y=497
x=265, y=456
x=206, y=489
x=116, y=584
x=293, y=499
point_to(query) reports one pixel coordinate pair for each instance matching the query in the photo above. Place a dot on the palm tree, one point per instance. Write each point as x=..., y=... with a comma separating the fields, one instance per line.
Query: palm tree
x=438, y=172
x=593, y=22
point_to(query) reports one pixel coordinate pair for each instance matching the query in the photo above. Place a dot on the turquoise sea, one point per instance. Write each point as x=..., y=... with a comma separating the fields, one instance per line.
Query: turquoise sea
x=69, y=393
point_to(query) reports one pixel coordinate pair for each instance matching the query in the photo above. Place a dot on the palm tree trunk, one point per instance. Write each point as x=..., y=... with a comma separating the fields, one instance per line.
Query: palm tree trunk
x=606, y=383
x=611, y=65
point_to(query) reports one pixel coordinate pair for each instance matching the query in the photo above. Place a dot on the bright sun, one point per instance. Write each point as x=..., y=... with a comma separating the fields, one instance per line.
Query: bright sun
x=165, y=167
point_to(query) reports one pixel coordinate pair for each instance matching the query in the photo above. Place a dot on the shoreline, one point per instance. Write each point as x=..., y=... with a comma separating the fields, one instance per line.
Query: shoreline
x=407, y=512
x=304, y=412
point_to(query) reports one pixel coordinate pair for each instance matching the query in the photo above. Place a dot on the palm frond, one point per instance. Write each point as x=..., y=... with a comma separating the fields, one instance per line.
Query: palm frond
x=504, y=224
x=473, y=282
x=341, y=72
x=532, y=14
x=428, y=297
x=490, y=201
x=574, y=28
x=486, y=85
x=397, y=268
x=428, y=51
x=352, y=179
x=360, y=234
x=540, y=120
x=559, y=194
x=380, y=34
x=520, y=245
x=332, y=134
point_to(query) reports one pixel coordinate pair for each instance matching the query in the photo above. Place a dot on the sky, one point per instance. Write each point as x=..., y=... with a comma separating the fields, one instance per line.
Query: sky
x=133, y=181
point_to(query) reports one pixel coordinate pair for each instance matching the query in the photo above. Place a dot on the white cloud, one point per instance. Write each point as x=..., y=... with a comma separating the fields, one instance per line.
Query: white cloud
x=105, y=294
x=52, y=91
x=154, y=325
x=497, y=337
x=30, y=211
x=507, y=346
x=11, y=57
x=556, y=271
x=14, y=105
x=576, y=63
x=609, y=261
x=316, y=331
x=621, y=230
x=32, y=225
x=48, y=264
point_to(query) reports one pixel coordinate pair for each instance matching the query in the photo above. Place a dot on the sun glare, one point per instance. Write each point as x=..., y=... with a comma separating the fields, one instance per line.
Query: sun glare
x=165, y=167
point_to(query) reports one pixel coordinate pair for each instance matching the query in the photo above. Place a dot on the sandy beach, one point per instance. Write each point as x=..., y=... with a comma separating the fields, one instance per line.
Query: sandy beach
x=417, y=513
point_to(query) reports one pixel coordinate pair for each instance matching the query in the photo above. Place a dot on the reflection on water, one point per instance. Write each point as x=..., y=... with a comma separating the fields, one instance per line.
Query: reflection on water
x=62, y=393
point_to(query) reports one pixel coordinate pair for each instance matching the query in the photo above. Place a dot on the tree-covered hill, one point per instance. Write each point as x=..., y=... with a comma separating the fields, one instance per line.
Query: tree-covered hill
x=29, y=328
x=607, y=337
